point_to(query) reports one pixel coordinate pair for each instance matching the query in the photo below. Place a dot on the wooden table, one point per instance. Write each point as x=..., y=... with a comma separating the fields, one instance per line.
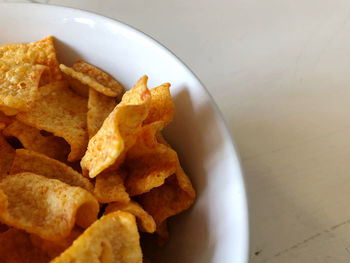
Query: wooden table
x=280, y=73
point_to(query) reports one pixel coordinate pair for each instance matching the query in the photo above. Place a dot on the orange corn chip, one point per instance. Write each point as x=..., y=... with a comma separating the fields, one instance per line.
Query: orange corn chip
x=32, y=139
x=99, y=107
x=29, y=161
x=19, y=85
x=77, y=87
x=119, y=130
x=54, y=249
x=109, y=187
x=112, y=238
x=144, y=220
x=41, y=52
x=16, y=247
x=7, y=154
x=46, y=207
x=94, y=78
x=148, y=162
x=62, y=113
x=162, y=106
x=173, y=197
x=5, y=119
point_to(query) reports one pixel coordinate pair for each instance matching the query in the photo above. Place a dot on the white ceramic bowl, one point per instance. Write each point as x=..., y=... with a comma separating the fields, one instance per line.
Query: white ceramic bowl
x=216, y=228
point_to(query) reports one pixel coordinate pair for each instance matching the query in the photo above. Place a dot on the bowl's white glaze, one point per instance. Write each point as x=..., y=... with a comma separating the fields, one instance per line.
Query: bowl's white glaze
x=216, y=228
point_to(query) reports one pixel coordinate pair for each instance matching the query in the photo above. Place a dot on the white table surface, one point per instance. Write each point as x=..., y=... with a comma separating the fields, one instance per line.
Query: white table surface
x=280, y=73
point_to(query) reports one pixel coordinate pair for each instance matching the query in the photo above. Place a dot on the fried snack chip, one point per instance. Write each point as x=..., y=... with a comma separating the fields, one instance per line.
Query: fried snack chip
x=19, y=85
x=78, y=87
x=46, y=207
x=7, y=154
x=61, y=112
x=54, y=249
x=144, y=220
x=162, y=106
x=109, y=187
x=173, y=197
x=149, y=162
x=112, y=238
x=118, y=132
x=29, y=161
x=99, y=107
x=32, y=139
x=94, y=78
x=5, y=119
x=40, y=52
x=16, y=247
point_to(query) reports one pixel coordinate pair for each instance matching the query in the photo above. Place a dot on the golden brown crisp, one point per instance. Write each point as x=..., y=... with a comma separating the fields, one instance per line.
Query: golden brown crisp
x=118, y=132
x=29, y=161
x=144, y=220
x=148, y=162
x=112, y=238
x=7, y=154
x=32, y=139
x=162, y=106
x=99, y=107
x=16, y=247
x=94, y=78
x=46, y=207
x=61, y=112
x=109, y=187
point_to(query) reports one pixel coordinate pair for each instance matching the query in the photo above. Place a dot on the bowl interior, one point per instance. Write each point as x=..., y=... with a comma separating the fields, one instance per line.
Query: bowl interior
x=215, y=229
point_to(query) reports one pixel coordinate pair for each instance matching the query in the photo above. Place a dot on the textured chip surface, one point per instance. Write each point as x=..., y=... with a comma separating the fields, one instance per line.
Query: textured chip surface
x=19, y=85
x=16, y=247
x=61, y=112
x=32, y=139
x=144, y=220
x=173, y=197
x=99, y=107
x=94, y=78
x=149, y=162
x=119, y=130
x=7, y=154
x=46, y=207
x=30, y=161
x=109, y=187
x=113, y=238
x=162, y=106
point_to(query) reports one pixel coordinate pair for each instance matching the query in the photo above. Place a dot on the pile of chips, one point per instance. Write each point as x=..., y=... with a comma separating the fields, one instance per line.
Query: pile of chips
x=83, y=166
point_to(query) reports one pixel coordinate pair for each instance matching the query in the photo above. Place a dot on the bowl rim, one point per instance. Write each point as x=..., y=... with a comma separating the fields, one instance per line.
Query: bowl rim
x=218, y=114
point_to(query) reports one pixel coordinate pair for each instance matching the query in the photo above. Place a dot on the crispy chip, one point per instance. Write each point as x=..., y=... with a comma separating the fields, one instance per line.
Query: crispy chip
x=162, y=106
x=5, y=119
x=173, y=197
x=46, y=207
x=113, y=238
x=94, y=78
x=99, y=107
x=16, y=247
x=55, y=248
x=29, y=161
x=119, y=130
x=78, y=87
x=41, y=52
x=32, y=139
x=144, y=220
x=148, y=162
x=19, y=85
x=7, y=154
x=109, y=187
x=62, y=113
